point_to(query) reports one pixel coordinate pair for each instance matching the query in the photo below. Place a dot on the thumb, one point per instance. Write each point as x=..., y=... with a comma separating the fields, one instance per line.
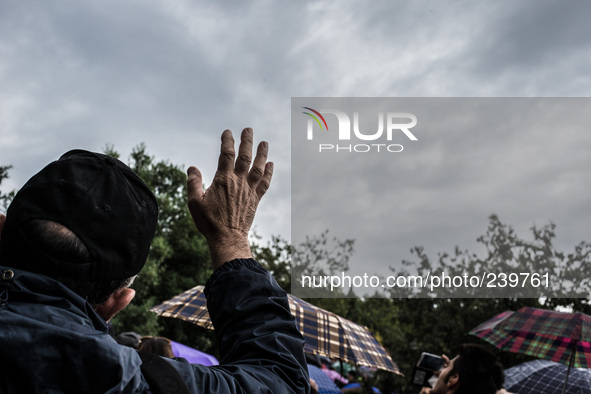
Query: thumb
x=194, y=184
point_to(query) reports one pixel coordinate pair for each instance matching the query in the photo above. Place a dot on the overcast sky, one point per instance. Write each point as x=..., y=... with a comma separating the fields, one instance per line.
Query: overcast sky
x=175, y=74
x=523, y=159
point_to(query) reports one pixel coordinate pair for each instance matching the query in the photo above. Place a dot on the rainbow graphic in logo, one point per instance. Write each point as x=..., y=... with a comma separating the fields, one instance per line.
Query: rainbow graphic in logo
x=315, y=118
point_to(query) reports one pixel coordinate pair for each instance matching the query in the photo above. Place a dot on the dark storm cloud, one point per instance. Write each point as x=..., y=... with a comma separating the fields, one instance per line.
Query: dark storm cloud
x=535, y=49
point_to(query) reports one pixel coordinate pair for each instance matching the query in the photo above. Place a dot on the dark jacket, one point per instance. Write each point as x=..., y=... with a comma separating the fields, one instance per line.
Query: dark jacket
x=52, y=341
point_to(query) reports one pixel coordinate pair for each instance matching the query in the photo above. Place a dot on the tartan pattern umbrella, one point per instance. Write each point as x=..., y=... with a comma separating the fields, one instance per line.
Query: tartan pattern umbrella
x=557, y=336
x=324, y=332
x=336, y=337
x=541, y=333
x=190, y=305
x=546, y=377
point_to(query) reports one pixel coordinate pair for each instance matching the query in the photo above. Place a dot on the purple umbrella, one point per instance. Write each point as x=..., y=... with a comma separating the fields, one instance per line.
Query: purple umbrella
x=193, y=355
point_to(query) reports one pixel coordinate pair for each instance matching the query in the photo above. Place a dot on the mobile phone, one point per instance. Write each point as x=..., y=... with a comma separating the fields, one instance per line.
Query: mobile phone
x=426, y=366
x=430, y=362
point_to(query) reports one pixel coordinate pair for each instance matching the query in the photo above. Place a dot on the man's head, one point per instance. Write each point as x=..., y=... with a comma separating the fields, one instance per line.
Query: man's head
x=157, y=345
x=86, y=220
x=474, y=370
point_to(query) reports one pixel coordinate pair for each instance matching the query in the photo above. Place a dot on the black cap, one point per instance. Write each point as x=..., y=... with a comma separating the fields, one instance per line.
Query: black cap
x=98, y=198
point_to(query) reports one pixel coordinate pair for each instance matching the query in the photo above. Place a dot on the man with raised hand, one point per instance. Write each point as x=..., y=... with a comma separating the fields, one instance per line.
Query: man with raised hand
x=73, y=239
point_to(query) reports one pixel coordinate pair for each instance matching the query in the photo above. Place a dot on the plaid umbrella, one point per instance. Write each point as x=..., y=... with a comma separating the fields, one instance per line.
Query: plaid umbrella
x=546, y=377
x=556, y=336
x=325, y=333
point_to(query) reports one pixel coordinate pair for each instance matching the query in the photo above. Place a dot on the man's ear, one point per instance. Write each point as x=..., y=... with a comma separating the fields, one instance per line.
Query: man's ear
x=116, y=302
x=2, y=220
x=453, y=383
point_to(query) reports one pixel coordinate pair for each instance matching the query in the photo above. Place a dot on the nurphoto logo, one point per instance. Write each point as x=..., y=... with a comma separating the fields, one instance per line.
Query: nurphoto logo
x=396, y=123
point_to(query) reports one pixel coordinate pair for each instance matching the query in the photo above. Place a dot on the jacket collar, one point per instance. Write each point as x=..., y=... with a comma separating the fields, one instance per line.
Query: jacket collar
x=23, y=287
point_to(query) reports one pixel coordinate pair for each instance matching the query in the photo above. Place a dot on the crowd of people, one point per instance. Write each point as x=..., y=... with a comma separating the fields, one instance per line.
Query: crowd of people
x=79, y=231
x=475, y=367
x=473, y=370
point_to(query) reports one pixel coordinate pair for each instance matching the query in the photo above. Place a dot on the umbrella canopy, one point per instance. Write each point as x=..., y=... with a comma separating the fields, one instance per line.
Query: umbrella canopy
x=541, y=333
x=546, y=377
x=192, y=355
x=324, y=332
x=357, y=388
x=557, y=336
x=325, y=384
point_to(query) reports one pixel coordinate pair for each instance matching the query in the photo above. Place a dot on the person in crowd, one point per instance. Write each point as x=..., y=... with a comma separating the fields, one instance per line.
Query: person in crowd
x=129, y=338
x=473, y=370
x=156, y=345
x=313, y=386
x=353, y=376
x=336, y=377
x=71, y=242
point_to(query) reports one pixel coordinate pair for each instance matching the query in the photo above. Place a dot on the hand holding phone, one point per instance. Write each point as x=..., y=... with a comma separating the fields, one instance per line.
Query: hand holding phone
x=426, y=368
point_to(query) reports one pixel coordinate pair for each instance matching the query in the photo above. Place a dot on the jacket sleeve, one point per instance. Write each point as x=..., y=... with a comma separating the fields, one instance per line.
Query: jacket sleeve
x=261, y=349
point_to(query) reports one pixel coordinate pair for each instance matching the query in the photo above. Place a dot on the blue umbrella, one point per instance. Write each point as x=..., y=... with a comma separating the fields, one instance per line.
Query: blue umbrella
x=193, y=355
x=355, y=386
x=325, y=385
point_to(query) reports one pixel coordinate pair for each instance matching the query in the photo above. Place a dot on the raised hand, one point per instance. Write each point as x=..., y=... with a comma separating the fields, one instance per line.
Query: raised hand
x=225, y=211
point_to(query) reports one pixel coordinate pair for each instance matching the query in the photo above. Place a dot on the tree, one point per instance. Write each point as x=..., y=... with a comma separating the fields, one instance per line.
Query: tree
x=512, y=267
x=320, y=256
x=5, y=199
x=275, y=257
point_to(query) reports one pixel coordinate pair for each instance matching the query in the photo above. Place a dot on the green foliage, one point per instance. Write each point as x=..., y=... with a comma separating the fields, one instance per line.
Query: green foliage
x=109, y=150
x=569, y=275
x=275, y=257
x=320, y=256
x=4, y=172
x=5, y=198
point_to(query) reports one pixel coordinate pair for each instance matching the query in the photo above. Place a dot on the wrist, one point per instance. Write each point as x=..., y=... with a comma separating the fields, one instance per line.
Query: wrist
x=228, y=248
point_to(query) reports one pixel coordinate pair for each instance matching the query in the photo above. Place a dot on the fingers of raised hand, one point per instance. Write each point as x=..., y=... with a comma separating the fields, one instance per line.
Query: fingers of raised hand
x=227, y=154
x=244, y=152
x=265, y=181
x=258, y=167
x=259, y=175
x=194, y=185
